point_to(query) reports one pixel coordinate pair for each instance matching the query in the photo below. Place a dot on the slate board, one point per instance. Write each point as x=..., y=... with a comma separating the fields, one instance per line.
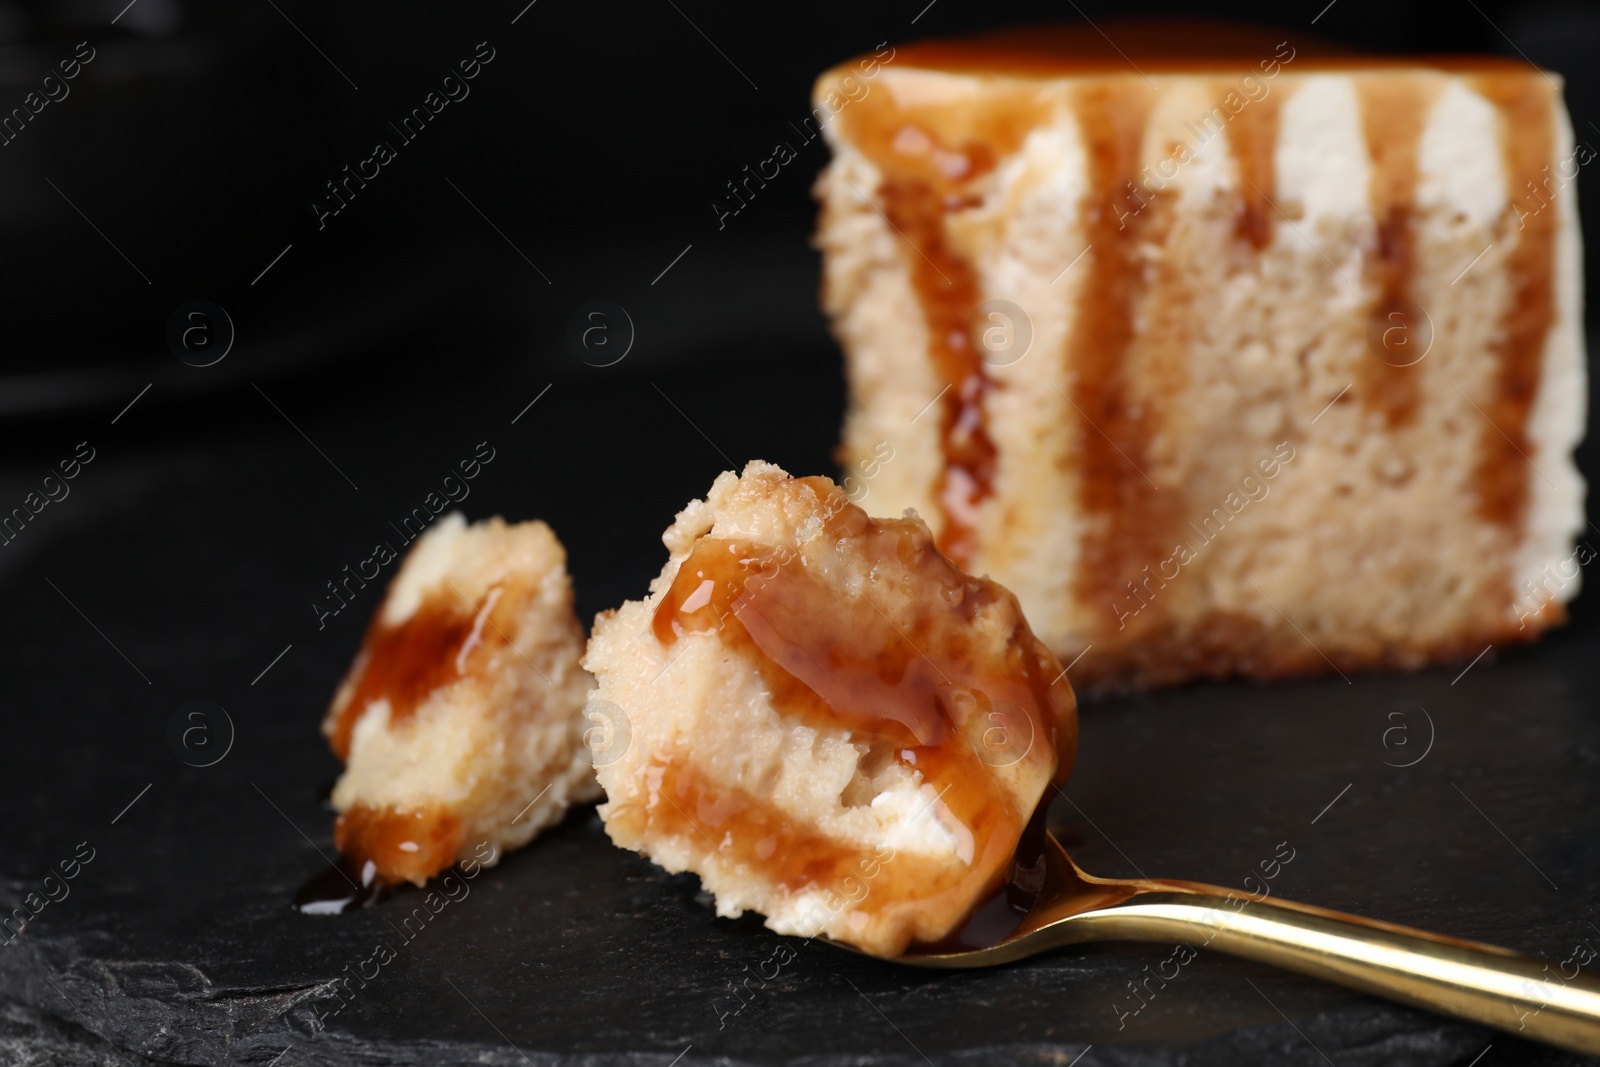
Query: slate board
x=184, y=565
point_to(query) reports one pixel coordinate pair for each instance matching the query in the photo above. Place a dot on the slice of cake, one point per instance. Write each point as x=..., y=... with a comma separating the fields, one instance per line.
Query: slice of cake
x=828, y=721
x=1229, y=355
x=461, y=720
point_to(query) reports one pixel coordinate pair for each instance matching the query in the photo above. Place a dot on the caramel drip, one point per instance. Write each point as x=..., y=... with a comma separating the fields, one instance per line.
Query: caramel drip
x=1253, y=141
x=1113, y=428
x=1526, y=105
x=754, y=834
x=923, y=667
x=1394, y=110
x=404, y=846
x=444, y=640
x=751, y=832
x=994, y=917
x=342, y=886
x=947, y=289
x=932, y=161
x=436, y=645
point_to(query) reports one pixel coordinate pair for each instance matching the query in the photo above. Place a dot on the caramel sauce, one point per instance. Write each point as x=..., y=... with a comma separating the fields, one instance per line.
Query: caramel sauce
x=342, y=887
x=1252, y=137
x=437, y=644
x=404, y=846
x=1113, y=429
x=752, y=833
x=932, y=160
x=1127, y=46
x=925, y=663
x=999, y=912
x=1155, y=47
x=447, y=638
x=1393, y=113
x=1527, y=138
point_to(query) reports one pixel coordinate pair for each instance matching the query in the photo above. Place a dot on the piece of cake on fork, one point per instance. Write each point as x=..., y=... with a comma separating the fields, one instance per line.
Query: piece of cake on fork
x=1230, y=354
x=825, y=719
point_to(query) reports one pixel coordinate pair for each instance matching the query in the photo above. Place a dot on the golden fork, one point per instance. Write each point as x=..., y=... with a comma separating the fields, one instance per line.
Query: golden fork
x=1488, y=985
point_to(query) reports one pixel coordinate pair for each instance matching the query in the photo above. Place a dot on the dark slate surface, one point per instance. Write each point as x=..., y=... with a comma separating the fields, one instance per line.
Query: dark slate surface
x=184, y=565
x=186, y=558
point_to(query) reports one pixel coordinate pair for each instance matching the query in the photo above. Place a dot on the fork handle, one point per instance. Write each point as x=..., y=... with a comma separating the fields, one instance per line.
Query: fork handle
x=1488, y=985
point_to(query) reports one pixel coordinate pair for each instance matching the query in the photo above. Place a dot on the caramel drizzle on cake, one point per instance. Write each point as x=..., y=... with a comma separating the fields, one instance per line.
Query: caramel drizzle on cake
x=1394, y=112
x=947, y=288
x=1246, y=328
x=1528, y=143
x=402, y=843
x=1252, y=138
x=1114, y=429
x=932, y=162
x=441, y=641
x=445, y=639
x=922, y=691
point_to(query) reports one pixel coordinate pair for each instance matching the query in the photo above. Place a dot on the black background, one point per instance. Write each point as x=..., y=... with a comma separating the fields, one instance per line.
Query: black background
x=425, y=318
